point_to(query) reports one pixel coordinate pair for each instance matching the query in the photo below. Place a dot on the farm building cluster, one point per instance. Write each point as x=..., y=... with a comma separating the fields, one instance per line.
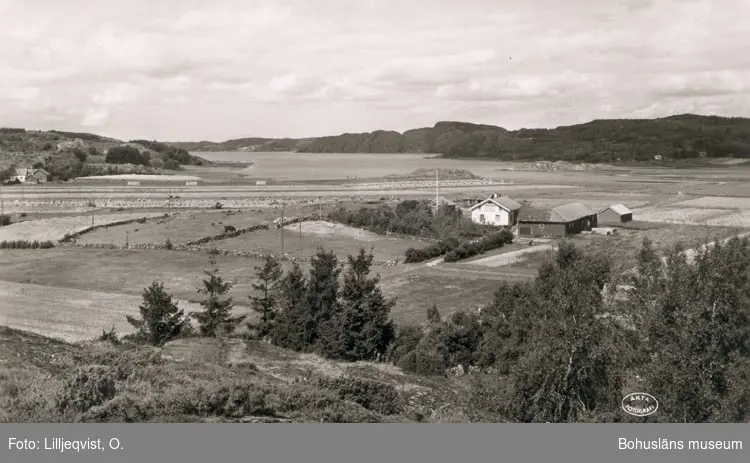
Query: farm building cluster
x=23, y=175
x=560, y=221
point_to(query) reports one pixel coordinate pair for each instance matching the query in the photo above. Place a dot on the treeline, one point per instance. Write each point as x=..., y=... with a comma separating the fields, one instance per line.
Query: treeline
x=410, y=217
x=172, y=153
x=127, y=155
x=337, y=311
x=25, y=244
x=607, y=140
x=564, y=348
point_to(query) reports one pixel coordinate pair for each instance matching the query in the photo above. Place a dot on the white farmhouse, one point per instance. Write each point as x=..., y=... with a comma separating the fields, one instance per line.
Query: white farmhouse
x=20, y=174
x=496, y=210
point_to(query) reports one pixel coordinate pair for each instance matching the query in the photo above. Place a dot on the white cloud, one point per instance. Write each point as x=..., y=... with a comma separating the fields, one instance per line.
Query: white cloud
x=289, y=67
x=95, y=117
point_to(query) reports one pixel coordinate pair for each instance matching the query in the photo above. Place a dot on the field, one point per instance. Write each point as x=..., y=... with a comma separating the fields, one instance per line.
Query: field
x=717, y=202
x=54, y=229
x=67, y=313
x=98, y=286
x=678, y=215
x=179, y=228
x=341, y=239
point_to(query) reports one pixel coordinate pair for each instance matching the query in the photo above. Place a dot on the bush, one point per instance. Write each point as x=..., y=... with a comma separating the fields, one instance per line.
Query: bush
x=423, y=363
x=171, y=164
x=88, y=387
x=407, y=340
x=126, y=155
x=4, y=220
x=373, y=395
x=488, y=243
x=414, y=255
x=22, y=244
x=80, y=154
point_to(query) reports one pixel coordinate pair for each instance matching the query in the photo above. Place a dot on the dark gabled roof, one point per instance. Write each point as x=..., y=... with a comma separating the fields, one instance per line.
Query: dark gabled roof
x=560, y=214
x=572, y=211
x=532, y=214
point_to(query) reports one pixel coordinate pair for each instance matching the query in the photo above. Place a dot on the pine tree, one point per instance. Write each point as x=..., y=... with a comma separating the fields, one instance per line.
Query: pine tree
x=362, y=329
x=321, y=295
x=267, y=287
x=433, y=315
x=216, y=317
x=161, y=319
x=293, y=317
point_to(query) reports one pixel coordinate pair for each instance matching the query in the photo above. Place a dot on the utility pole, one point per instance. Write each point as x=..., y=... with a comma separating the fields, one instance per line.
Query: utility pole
x=2, y=201
x=282, y=229
x=93, y=206
x=169, y=201
x=437, y=189
x=320, y=209
x=300, y=235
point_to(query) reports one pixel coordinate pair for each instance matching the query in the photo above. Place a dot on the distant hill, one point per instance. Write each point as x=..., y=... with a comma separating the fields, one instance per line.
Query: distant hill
x=71, y=154
x=604, y=140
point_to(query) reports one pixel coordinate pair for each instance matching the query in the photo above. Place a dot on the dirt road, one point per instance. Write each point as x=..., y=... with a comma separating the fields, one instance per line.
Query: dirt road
x=510, y=257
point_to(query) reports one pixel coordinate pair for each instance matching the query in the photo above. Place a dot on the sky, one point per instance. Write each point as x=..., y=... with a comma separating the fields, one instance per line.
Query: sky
x=186, y=70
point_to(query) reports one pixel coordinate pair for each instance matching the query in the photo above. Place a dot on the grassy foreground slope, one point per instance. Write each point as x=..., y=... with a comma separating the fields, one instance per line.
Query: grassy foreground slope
x=207, y=380
x=604, y=140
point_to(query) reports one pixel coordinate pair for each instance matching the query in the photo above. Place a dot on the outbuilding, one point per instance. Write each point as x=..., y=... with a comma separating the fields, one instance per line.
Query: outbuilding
x=560, y=221
x=615, y=214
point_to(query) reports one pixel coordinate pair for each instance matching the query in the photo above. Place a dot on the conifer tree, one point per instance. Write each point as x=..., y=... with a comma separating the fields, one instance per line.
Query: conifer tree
x=293, y=318
x=161, y=319
x=265, y=302
x=322, y=293
x=362, y=329
x=216, y=317
x=433, y=315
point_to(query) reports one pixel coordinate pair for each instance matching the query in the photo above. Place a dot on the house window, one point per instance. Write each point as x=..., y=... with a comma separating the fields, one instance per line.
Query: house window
x=481, y=218
x=541, y=226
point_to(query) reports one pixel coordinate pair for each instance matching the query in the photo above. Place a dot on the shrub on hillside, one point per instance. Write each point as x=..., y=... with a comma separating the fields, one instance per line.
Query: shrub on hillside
x=88, y=387
x=126, y=155
x=4, y=220
x=373, y=395
x=171, y=164
x=488, y=243
x=80, y=154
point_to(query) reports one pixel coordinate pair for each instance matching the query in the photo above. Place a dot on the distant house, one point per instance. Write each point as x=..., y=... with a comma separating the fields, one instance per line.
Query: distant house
x=615, y=214
x=496, y=210
x=20, y=175
x=560, y=221
x=37, y=176
x=444, y=203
